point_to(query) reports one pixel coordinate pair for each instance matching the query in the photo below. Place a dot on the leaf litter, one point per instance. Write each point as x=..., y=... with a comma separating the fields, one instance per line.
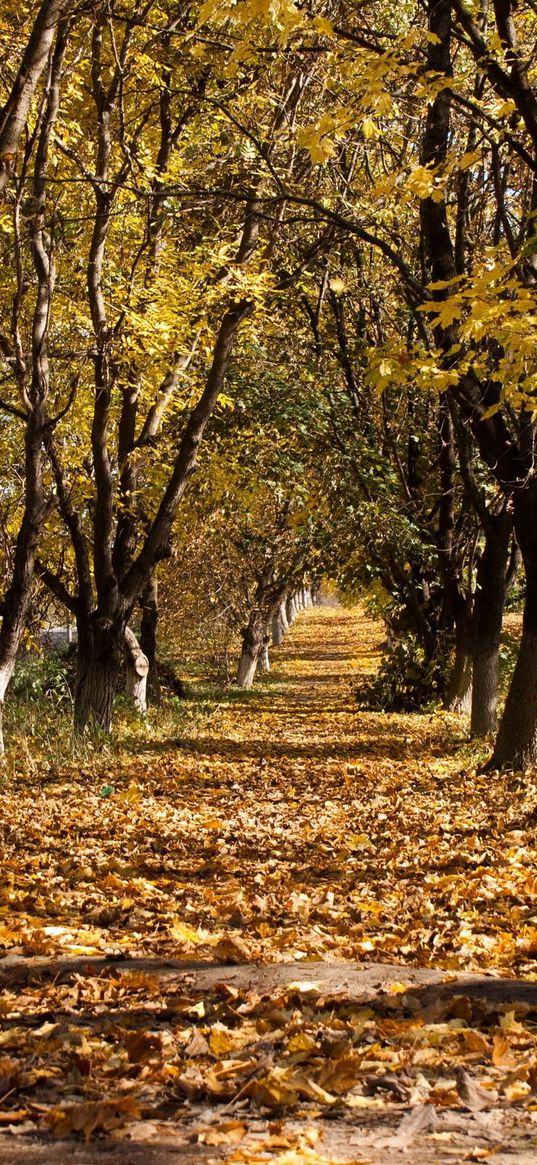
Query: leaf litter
x=287, y=829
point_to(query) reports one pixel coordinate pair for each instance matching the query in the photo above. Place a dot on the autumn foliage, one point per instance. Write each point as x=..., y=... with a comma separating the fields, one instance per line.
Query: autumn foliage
x=268, y=639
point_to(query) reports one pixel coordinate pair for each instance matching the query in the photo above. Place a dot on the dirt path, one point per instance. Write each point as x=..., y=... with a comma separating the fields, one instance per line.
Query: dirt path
x=276, y=939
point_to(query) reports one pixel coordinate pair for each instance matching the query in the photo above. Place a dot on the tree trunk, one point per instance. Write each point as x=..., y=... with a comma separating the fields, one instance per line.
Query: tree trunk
x=264, y=660
x=247, y=667
x=6, y=672
x=137, y=672
x=17, y=599
x=252, y=644
x=459, y=693
x=277, y=629
x=516, y=743
x=488, y=615
x=99, y=663
x=283, y=615
x=484, y=714
x=148, y=637
x=290, y=610
x=459, y=690
x=14, y=115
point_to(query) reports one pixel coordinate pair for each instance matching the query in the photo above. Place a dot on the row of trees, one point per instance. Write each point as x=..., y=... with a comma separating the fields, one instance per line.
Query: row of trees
x=313, y=226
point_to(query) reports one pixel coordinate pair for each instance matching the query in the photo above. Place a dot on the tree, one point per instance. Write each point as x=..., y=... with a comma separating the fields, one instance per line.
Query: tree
x=26, y=354
x=120, y=530
x=16, y=110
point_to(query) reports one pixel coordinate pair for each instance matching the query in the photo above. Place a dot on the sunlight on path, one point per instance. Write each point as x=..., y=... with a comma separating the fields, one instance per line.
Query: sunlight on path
x=307, y=706
x=173, y=919
x=285, y=821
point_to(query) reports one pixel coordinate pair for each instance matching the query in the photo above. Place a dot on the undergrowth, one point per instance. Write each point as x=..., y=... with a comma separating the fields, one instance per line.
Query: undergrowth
x=406, y=681
x=38, y=719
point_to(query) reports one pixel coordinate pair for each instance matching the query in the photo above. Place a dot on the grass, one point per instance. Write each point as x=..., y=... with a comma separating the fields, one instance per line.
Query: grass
x=39, y=711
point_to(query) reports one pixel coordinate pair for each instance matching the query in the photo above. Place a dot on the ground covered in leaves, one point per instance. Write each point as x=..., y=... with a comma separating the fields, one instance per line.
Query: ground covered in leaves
x=267, y=941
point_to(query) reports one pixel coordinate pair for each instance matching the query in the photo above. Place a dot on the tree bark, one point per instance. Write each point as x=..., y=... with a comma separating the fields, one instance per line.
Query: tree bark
x=137, y=672
x=290, y=610
x=277, y=629
x=252, y=643
x=516, y=743
x=100, y=650
x=457, y=603
x=255, y=636
x=484, y=713
x=459, y=691
x=280, y=622
x=14, y=114
x=18, y=596
x=6, y=672
x=264, y=659
x=489, y=604
x=148, y=637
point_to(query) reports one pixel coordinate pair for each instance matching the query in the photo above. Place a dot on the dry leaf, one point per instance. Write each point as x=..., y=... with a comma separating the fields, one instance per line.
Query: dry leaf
x=92, y=1116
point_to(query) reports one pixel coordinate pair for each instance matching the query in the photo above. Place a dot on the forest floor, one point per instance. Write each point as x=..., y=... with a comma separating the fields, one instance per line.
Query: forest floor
x=302, y=933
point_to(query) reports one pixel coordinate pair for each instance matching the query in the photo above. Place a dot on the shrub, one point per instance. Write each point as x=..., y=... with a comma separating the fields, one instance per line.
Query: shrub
x=406, y=681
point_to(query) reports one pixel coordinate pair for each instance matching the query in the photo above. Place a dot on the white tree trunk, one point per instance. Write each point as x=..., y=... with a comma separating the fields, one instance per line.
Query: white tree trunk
x=137, y=672
x=6, y=672
x=246, y=669
x=264, y=661
x=277, y=629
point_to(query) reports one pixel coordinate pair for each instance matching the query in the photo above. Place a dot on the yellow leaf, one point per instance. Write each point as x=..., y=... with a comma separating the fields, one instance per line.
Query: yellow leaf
x=518, y=1090
x=500, y=1052
x=324, y=26
x=508, y=1023
x=370, y=128
x=228, y=1133
x=301, y=1042
x=358, y=839
x=185, y=933
x=221, y=1040
x=131, y=795
x=92, y=1116
x=469, y=159
x=491, y=412
x=304, y=988
x=337, y=285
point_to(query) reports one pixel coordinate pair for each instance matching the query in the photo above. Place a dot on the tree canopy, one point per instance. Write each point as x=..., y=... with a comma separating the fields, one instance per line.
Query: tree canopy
x=268, y=610
x=290, y=247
